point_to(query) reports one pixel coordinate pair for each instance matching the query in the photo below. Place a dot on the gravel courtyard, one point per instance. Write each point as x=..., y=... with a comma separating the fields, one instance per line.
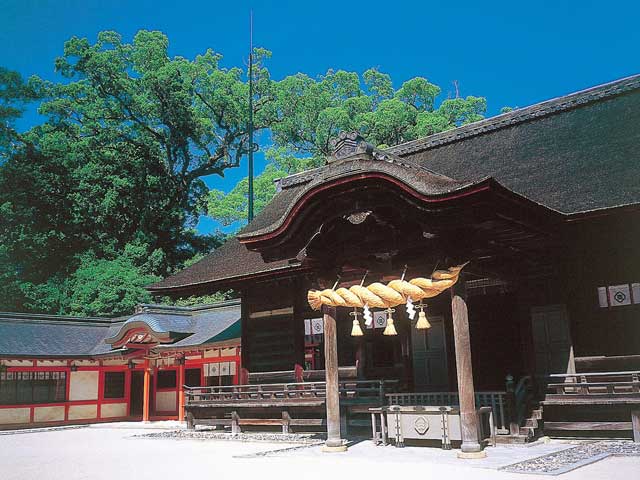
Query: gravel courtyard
x=115, y=452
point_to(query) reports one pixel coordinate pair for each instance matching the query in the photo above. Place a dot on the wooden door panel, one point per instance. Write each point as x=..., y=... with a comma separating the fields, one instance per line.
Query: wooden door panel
x=552, y=340
x=430, y=356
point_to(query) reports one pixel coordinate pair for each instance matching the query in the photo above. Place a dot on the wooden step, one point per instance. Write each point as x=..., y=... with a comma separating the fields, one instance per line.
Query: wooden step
x=512, y=439
x=529, y=432
x=591, y=426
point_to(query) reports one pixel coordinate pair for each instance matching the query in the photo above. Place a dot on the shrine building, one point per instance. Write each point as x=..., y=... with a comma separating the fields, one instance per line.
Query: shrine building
x=519, y=234
x=63, y=370
x=541, y=205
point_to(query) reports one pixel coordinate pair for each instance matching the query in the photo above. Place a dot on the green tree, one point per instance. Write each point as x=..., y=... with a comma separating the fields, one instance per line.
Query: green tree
x=14, y=96
x=229, y=208
x=310, y=112
x=112, y=287
x=128, y=136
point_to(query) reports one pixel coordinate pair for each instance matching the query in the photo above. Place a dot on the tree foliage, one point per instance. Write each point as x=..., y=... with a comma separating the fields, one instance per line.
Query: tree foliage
x=229, y=208
x=14, y=95
x=310, y=112
x=128, y=136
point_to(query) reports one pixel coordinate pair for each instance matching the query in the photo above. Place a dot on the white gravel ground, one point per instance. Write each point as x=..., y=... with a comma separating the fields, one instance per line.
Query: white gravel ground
x=108, y=453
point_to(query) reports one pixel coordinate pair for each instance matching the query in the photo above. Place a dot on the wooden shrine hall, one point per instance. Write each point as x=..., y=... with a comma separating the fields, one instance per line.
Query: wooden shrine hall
x=542, y=207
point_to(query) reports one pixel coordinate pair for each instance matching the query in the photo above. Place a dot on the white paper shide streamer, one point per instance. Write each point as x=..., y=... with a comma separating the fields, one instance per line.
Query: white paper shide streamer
x=411, y=311
x=368, y=318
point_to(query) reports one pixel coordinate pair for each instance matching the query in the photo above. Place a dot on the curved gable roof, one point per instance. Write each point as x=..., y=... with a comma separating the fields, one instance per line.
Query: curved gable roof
x=418, y=178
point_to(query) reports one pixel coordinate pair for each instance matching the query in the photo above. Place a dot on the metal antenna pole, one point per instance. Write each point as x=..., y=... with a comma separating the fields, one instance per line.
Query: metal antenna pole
x=250, y=203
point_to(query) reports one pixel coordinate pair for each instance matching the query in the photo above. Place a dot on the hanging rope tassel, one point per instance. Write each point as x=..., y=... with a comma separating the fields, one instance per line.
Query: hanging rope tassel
x=356, y=330
x=390, y=329
x=423, y=322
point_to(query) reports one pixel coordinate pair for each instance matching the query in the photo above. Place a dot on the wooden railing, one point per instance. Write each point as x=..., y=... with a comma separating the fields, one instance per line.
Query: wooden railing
x=496, y=400
x=617, y=391
x=351, y=391
x=595, y=387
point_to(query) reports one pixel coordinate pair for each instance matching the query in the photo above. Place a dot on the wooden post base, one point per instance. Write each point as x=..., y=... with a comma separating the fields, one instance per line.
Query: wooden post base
x=336, y=449
x=635, y=425
x=472, y=455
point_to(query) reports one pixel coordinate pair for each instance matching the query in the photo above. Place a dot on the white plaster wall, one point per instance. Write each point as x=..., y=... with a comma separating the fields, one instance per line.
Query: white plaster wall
x=211, y=353
x=80, y=412
x=110, y=410
x=51, y=363
x=18, y=363
x=14, y=415
x=166, y=401
x=83, y=385
x=114, y=362
x=48, y=414
x=86, y=363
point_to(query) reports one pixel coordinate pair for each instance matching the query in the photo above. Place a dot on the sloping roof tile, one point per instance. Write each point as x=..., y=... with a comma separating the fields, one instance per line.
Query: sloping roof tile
x=54, y=336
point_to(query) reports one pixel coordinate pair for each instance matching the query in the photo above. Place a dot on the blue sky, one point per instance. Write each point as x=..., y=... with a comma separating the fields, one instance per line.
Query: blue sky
x=513, y=53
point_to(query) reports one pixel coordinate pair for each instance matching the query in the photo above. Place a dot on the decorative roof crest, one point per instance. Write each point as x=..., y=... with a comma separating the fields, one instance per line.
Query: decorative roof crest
x=348, y=144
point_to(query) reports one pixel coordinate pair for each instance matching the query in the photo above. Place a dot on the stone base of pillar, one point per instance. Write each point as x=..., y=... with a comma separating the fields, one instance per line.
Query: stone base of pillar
x=339, y=448
x=472, y=455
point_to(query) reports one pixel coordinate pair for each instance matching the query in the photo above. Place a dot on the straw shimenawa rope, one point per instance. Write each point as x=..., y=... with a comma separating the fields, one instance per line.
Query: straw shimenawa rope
x=378, y=295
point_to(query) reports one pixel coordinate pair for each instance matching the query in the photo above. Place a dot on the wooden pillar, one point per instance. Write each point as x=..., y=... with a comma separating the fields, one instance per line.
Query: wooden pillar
x=334, y=441
x=635, y=425
x=181, y=390
x=245, y=362
x=145, y=393
x=299, y=295
x=468, y=417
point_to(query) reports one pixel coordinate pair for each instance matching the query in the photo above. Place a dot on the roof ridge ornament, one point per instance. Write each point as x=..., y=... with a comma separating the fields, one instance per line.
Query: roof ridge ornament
x=347, y=144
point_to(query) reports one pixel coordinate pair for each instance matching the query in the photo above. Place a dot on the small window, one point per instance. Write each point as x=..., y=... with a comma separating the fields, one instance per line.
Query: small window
x=32, y=387
x=114, y=385
x=192, y=377
x=166, y=379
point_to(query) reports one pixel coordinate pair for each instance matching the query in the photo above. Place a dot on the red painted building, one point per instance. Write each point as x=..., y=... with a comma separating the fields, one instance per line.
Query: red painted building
x=63, y=370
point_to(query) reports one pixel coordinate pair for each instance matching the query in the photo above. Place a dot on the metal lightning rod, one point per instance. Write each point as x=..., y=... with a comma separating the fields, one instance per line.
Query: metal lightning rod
x=250, y=201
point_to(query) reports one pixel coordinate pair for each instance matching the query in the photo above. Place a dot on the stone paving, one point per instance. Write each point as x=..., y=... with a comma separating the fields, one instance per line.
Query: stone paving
x=156, y=451
x=575, y=457
x=209, y=434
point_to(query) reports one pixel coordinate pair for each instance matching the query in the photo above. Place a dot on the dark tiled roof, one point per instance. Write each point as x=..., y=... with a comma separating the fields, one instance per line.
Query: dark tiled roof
x=232, y=261
x=572, y=154
x=49, y=335
x=202, y=324
x=56, y=336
